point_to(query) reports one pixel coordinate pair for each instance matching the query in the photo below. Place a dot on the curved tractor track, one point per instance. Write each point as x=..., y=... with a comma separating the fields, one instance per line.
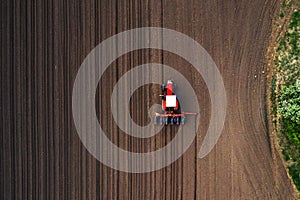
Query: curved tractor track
x=43, y=44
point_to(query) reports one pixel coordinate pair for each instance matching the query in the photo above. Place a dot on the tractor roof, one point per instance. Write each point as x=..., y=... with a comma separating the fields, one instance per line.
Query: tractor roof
x=170, y=100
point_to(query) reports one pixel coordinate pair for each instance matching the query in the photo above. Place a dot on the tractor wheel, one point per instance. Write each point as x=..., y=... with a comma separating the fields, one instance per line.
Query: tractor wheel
x=172, y=121
x=166, y=121
x=155, y=119
x=182, y=120
x=163, y=88
x=161, y=120
x=176, y=120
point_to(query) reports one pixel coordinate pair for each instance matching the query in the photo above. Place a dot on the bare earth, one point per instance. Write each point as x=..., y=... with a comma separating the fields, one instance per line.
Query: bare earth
x=43, y=44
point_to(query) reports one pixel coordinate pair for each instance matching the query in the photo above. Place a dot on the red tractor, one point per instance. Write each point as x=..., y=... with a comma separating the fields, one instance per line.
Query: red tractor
x=170, y=105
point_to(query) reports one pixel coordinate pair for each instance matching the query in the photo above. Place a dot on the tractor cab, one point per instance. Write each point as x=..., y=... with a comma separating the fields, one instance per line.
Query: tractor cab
x=169, y=99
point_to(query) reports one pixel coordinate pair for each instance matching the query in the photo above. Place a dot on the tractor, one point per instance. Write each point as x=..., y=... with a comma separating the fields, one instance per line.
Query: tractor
x=171, y=107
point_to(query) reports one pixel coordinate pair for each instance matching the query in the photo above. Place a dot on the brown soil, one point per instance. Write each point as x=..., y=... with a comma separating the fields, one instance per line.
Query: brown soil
x=43, y=44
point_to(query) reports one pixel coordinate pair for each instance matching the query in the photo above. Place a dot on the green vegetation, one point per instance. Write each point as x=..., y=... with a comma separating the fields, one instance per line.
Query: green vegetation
x=285, y=95
x=289, y=109
x=289, y=103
